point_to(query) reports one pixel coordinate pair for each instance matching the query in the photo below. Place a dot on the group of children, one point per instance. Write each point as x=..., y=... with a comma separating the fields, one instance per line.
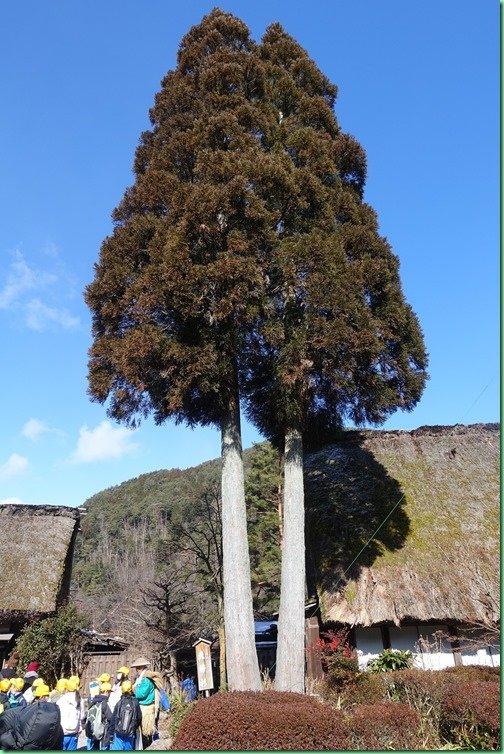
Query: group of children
x=117, y=715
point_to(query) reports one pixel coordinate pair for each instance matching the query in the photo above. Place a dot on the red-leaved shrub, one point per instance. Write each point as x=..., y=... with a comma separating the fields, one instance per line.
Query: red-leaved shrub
x=385, y=726
x=268, y=720
x=470, y=714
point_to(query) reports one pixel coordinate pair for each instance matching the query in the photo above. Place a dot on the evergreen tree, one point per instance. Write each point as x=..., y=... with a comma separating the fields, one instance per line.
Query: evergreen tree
x=336, y=339
x=179, y=280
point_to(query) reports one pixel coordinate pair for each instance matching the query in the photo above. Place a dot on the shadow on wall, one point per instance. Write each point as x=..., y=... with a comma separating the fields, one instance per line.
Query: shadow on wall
x=348, y=494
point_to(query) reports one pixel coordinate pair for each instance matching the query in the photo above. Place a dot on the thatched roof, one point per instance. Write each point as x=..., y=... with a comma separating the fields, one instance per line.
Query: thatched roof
x=37, y=550
x=436, y=557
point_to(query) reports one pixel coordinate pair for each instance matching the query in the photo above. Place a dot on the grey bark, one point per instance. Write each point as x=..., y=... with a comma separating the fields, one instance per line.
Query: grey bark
x=241, y=656
x=290, y=662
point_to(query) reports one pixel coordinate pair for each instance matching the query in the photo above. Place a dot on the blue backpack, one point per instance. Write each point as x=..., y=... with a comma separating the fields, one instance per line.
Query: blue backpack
x=164, y=701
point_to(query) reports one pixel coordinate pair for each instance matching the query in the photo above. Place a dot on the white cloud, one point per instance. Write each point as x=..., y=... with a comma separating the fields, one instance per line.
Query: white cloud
x=103, y=443
x=34, y=428
x=24, y=285
x=20, y=279
x=39, y=316
x=12, y=501
x=14, y=466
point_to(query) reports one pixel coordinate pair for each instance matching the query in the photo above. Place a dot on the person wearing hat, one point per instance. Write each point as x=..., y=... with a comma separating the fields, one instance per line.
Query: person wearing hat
x=126, y=719
x=72, y=714
x=121, y=675
x=16, y=698
x=41, y=691
x=4, y=689
x=99, y=701
x=59, y=689
x=29, y=693
x=145, y=691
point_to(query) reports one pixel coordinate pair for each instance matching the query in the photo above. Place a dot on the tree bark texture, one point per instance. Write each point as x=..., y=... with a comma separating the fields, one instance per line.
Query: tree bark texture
x=222, y=658
x=241, y=656
x=290, y=662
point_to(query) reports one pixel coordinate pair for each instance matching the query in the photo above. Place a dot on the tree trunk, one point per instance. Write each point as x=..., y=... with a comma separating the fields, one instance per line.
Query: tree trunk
x=241, y=656
x=290, y=662
x=222, y=658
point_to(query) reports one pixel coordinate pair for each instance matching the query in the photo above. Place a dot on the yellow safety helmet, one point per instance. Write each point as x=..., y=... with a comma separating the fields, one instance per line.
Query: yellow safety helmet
x=38, y=682
x=126, y=687
x=104, y=678
x=105, y=687
x=5, y=684
x=74, y=679
x=124, y=670
x=71, y=685
x=18, y=683
x=61, y=684
x=42, y=690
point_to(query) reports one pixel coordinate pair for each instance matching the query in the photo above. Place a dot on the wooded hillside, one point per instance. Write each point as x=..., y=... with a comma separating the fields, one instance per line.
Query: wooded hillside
x=148, y=560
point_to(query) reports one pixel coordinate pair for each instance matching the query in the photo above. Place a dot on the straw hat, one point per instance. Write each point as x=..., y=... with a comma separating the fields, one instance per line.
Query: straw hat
x=140, y=663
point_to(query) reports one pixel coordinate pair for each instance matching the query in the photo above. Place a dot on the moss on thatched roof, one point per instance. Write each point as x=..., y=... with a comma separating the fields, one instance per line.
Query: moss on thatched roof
x=36, y=558
x=428, y=501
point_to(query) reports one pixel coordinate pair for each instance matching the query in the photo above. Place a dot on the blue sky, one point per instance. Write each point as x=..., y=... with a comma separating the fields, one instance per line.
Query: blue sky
x=418, y=87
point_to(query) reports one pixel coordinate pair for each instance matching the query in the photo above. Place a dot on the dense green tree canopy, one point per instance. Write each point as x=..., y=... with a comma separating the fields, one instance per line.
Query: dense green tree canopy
x=179, y=278
x=336, y=339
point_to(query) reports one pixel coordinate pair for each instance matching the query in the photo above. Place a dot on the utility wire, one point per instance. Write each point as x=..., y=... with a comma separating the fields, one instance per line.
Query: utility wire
x=399, y=501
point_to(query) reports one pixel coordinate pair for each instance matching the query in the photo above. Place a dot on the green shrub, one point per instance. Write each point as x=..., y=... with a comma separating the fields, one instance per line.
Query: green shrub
x=389, y=725
x=470, y=715
x=267, y=721
x=178, y=710
x=56, y=643
x=390, y=660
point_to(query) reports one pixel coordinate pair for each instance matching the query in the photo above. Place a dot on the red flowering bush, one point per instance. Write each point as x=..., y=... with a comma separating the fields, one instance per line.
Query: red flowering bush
x=267, y=720
x=338, y=658
x=390, y=725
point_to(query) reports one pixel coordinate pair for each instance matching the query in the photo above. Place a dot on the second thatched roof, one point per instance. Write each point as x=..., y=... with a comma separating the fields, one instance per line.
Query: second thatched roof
x=36, y=558
x=404, y=526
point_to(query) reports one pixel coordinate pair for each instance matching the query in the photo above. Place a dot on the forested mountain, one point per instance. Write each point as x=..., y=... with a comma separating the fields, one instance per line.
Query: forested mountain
x=148, y=563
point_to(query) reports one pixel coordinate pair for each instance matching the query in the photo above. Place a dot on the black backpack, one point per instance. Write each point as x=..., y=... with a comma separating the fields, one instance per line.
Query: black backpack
x=127, y=717
x=33, y=728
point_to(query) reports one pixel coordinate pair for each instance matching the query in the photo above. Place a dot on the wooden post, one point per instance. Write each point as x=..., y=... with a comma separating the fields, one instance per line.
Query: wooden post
x=313, y=663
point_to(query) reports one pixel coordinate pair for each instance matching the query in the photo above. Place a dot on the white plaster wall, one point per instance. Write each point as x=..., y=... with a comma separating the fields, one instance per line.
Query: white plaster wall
x=369, y=644
x=489, y=656
x=435, y=653
x=431, y=652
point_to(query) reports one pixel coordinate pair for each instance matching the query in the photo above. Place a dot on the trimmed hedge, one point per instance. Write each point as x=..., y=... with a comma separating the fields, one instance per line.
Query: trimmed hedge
x=385, y=726
x=267, y=720
x=470, y=714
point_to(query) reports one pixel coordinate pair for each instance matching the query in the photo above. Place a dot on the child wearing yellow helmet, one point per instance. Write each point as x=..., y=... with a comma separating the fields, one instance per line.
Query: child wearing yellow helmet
x=15, y=696
x=42, y=692
x=4, y=689
x=72, y=713
x=121, y=675
x=126, y=719
x=99, y=718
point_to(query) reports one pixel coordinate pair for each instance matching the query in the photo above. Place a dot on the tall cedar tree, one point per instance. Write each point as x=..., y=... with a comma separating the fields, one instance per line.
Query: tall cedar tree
x=179, y=280
x=337, y=339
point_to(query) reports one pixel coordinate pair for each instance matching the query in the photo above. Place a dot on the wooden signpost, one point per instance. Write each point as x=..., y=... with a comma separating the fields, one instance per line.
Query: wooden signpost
x=204, y=665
